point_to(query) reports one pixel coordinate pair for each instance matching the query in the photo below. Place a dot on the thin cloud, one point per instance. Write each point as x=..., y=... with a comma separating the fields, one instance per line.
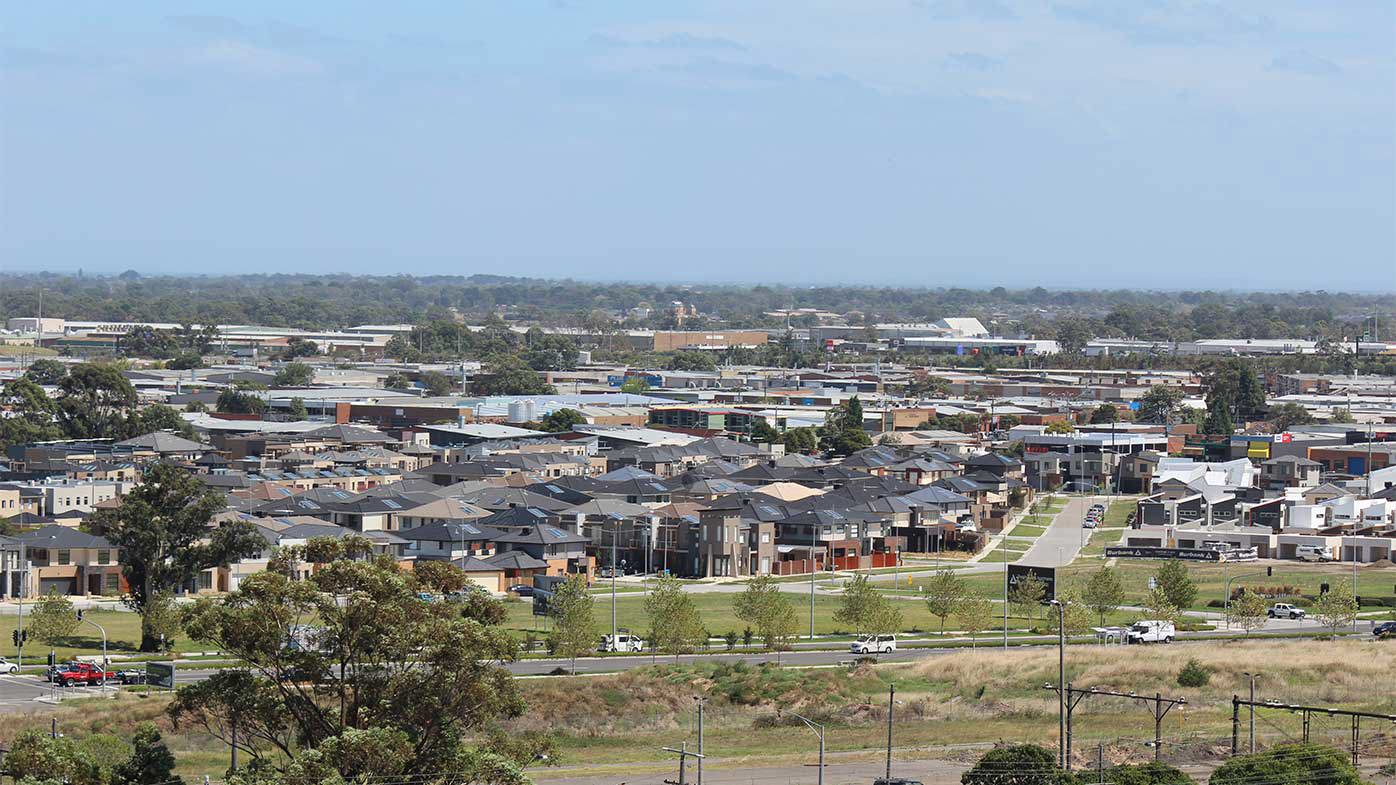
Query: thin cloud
x=1301, y=62
x=982, y=10
x=685, y=41
x=971, y=61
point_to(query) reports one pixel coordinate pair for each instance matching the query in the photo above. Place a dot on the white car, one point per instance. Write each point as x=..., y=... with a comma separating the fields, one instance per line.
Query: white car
x=1312, y=553
x=1151, y=631
x=8, y=667
x=623, y=642
x=1283, y=610
x=874, y=644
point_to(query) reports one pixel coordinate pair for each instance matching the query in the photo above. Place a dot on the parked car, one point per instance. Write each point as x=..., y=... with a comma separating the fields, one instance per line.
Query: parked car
x=131, y=676
x=622, y=642
x=522, y=589
x=874, y=644
x=1151, y=631
x=84, y=673
x=8, y=667
x=1386, y=629
x=1312, y=553
x=1283, y=610
x=609, y=572
x=1090, y=523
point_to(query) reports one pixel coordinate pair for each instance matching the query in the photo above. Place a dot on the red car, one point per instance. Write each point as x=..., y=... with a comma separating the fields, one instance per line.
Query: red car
x=84, y=673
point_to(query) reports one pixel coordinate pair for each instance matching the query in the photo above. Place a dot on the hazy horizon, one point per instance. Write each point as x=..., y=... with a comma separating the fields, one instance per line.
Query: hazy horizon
x=1077, y=144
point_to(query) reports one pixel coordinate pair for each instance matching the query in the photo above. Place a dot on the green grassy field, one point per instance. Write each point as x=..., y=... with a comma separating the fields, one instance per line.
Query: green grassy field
x=123, y=637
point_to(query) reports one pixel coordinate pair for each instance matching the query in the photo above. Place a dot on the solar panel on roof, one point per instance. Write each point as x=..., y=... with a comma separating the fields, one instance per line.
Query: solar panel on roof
x=472, y=529
x=553, y=488
x=306, y=504
x=392, y=504
x=340, y=495
x=557, y=532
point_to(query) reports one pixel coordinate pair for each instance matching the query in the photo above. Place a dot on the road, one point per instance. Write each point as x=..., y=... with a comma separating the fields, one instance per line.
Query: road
x=1064, y=538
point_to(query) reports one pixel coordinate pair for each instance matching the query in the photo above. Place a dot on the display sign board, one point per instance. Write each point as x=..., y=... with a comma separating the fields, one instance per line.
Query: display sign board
x=1048, y=576
x=543, y=588
x=1150, y=552
x=160, y=674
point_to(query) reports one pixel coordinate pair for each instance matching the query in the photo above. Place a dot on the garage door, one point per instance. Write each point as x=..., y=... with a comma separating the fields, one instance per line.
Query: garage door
x=56, y=585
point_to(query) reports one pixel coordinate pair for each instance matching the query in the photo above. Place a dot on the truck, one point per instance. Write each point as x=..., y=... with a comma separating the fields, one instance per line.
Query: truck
x=84, y=673
x=1312, y=553
x=1283, y=610
x=1151, y=631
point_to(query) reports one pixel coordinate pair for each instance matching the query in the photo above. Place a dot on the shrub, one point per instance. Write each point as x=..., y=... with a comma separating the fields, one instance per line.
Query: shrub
x=1194, y=674
x=1289, y=764
x=1152, y=773
x=1017, y=764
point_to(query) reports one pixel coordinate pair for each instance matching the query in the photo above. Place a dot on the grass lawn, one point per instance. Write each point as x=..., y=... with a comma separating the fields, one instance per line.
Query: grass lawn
x=123, y=637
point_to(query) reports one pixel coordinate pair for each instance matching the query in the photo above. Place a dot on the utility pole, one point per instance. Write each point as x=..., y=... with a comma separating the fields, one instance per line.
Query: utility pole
x=700, y=701
x=1160, y=708
x=1355, y=716
x=813, y=533
x=818, y=731
x=1252, y=677
x=891, y=705
x=684, y=755
x=615, y=532
x=1061, y=679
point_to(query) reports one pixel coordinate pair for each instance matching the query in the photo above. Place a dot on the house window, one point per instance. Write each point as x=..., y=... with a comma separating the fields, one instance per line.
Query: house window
x=112, y=584
x=205, y=581
x=765, y=538
x=65, y=556
x=104, y=557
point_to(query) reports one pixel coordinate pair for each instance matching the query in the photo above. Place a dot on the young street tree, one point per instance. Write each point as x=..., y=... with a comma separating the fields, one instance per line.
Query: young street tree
x=384, y=687
x=571, y=608
x=1104, y=593
x=53, y=620
x=945, y=591
x=1247, y=610
x=862, y=608
x=764, y=606
x=1337, y=608
x=1176, y=584
x=1027, y=595
x=162, y=528
x=1158, y=606
x=976, y=614
x=675, y=624
x=1075, y=613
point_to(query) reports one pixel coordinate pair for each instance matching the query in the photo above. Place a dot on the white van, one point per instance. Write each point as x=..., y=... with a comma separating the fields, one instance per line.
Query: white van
x=622, y=642
x=1151, y=631
x=1312, y=553
x=874, y=644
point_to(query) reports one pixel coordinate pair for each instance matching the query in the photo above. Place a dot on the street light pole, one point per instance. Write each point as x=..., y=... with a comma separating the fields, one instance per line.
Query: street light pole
x=813, y=533
x=700, y=700
x=818, y=731
x=1061, y=680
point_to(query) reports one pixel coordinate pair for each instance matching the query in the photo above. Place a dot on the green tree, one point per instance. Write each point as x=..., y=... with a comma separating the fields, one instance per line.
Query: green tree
x=1027, y=595
x=46, y=371
x=384, y=687
x=235, y=401
x=1284, y=416
x=675, y=624
x=800, y=440
x=1105, y=414
x=1247, y=610
x=397, y=381
x=53, y=619
x=299, y=347
x=1160, y=404
x=945, y=592
x=33, y=414
x=843, y=432
x=571, y=608
x=864, y=609
x=296, y=374
x=297, y=410
x=441, y=577
x=976, y=614
x=1104, y=593
x=923, y=385
x=1342, y=416
x=185, y=361
x=1336, y=608
x=761, y=431
x=1158, y=606
x=437, y=383
x=562, y=420
x=1059, y=427
x=1176, y=583
x=36, y=759
x=162, y=529
x=508, y=375
x=764, y=606
x=94, y=402
x=690, y=361
x=634, y=385
x=1017, y=764
x=1074, y=613
x=1288, y=764
x=159, y=417
x=151, y=762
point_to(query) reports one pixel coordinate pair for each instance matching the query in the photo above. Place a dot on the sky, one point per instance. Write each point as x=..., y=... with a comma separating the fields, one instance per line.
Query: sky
x=1228, y=144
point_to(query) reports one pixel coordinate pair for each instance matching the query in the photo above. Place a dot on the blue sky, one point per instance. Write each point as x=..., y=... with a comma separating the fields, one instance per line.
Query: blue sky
x=1066, y=143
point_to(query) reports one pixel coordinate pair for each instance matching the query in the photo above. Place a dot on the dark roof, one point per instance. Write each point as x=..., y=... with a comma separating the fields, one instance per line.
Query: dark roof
x=451, y=531
x=545, y=534
x=515, y=560
x=347, y=434
x=55, y=536
x=993, y=459
x=161, y=442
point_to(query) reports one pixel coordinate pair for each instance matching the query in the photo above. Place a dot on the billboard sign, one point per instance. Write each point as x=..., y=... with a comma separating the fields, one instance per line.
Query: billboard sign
x=160, y=674
x=1150, y=552
x=1048, y=576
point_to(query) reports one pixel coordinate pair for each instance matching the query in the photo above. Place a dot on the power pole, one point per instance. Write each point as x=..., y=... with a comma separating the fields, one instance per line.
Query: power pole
x=1356, y=717
x=891, y=704
x=1159, y=709
x=684, y=755
x=700, y=700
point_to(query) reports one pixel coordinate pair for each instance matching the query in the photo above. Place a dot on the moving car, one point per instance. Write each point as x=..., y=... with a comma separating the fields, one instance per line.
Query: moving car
x=874, y=644
x=1151, y=631
x=622, y=642
x=1386, y=629
x=8, y=667
x=54, y=670
x=1283, y=610
x=522, y=589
